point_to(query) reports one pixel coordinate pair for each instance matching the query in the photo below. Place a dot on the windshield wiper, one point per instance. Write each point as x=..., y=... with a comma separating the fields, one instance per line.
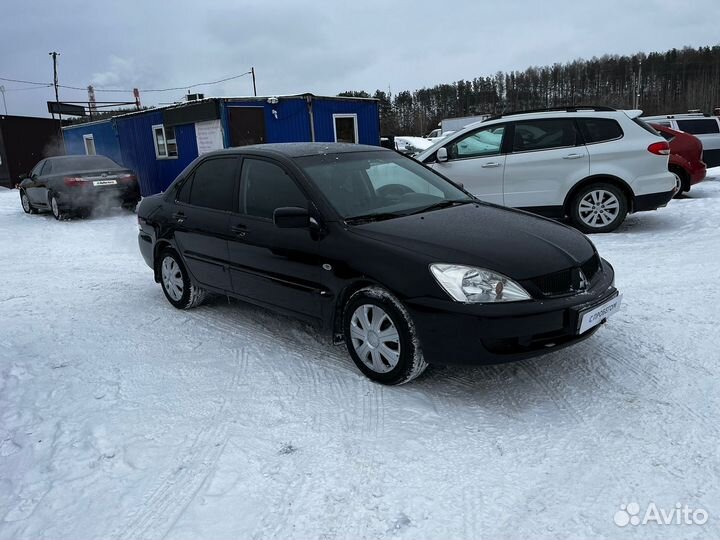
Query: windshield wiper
x=379, y=216
x=442, y=204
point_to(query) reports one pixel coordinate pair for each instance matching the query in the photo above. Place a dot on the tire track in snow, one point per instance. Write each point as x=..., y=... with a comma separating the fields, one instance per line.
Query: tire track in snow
x=162, y=508
x=557, y=397
x=609, y=353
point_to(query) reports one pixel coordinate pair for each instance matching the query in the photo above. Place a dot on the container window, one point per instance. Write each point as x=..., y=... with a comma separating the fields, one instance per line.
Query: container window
x=346, y=129
x=165, y=143
x=89, y=141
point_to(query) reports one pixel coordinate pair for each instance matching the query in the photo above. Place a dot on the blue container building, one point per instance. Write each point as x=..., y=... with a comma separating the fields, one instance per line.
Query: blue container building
x=159, y=143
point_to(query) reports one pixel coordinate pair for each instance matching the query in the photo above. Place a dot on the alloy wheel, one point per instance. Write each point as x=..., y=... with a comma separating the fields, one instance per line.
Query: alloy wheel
x=598, y=208
x=375, y=338
x=55, y=208
x=25, y=202
x=172, y=278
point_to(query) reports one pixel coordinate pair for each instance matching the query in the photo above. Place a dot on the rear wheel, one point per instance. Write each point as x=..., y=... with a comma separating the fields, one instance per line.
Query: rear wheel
x=381, y=338
x=25, y=201
x=176, y=283
x=598, y=208
x=55, y=208
x=684, y=180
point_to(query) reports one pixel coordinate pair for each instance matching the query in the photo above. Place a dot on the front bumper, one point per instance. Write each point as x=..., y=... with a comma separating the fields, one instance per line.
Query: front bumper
x=455, y=333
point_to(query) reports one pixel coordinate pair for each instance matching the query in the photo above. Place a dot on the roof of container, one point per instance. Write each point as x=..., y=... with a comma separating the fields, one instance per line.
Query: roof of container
x=222, y=98
x=242, y=98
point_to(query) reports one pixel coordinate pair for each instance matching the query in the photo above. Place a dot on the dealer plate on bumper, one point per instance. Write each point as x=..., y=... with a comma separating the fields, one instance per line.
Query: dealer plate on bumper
x=104, y=182
x=594, y=316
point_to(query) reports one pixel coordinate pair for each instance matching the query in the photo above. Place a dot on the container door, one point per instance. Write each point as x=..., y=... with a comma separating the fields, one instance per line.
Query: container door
x=247, y=125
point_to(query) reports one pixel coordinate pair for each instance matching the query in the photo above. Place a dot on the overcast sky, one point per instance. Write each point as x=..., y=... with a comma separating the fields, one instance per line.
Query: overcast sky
x=319, y=47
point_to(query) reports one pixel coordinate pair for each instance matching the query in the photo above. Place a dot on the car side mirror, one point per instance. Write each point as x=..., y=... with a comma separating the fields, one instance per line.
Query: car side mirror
x=441, y=155
x=291, y=217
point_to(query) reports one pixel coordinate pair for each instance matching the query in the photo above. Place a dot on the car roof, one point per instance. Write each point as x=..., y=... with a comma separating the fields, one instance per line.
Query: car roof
x=681, y=116
x=300, y=149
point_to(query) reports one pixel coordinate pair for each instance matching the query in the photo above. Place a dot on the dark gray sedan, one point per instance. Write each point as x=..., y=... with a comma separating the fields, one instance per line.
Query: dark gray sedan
x=74, y=185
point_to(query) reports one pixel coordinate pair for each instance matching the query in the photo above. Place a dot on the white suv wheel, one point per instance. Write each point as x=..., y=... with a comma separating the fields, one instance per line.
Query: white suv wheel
x=599, y=208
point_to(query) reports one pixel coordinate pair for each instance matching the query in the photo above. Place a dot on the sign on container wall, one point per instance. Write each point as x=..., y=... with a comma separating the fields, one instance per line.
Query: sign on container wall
x=209, y=136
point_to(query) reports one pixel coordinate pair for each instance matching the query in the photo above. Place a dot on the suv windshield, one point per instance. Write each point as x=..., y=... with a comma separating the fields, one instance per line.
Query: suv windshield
x=379, y=185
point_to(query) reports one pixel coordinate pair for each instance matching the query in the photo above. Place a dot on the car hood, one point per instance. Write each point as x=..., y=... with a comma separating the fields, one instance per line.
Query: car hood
x=516, y=244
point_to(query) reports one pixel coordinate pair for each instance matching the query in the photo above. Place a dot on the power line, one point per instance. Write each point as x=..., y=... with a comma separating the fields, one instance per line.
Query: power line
x=25, y=82
x=28, y=88
x=174, y=89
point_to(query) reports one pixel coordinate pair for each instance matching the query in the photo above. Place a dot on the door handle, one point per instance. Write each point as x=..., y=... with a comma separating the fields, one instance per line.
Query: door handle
x=239, y=229
x=179, y=217
x=490, y=164
x=573, y=156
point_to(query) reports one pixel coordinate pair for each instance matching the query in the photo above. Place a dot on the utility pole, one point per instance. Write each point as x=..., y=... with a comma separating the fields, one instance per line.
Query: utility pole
x=55, y=84
x=638, y=85
x=2, y=91
x=252, y=70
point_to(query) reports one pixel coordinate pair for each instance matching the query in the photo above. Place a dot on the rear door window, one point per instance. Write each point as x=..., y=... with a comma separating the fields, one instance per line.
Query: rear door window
x=213, y=184
x=699, y=126
x=544, y=134
x=596, y=130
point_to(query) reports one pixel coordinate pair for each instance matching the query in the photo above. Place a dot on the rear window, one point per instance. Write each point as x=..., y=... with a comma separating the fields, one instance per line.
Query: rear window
x=699, y=126
x=646, y=127
x=599, y=129
x=81, y=163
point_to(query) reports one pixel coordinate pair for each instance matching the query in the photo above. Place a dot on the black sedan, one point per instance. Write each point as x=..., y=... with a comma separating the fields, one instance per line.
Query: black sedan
x=74, y=185
x=383, y=253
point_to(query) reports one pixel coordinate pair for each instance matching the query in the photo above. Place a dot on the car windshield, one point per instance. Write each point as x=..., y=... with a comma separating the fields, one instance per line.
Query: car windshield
x=379, y=185
x=82, y=163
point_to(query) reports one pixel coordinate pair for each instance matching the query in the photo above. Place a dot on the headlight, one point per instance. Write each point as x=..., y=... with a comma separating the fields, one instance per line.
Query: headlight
x=477, y=285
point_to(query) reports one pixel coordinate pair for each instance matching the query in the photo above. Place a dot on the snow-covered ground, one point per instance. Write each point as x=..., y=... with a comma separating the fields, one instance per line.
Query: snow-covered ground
x=123, y=418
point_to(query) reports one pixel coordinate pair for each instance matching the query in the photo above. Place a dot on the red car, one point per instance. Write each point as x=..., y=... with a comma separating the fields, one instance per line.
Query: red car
x=685, y=157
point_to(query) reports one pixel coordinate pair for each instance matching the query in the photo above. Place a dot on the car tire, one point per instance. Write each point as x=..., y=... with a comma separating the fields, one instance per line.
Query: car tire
x=175, y=281
x=25, y=202
x=381, y=338
x=598, y=208
x=55, y=208
x=684, y=181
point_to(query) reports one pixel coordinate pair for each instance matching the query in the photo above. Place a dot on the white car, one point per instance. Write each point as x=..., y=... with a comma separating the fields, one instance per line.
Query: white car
x=705, y=128
x=592, y=165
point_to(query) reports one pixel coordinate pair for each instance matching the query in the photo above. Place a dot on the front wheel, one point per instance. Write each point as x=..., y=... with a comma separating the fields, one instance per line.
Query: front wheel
x=176, y=284
x=598, y=208
x=25, y=201
x=381, y=338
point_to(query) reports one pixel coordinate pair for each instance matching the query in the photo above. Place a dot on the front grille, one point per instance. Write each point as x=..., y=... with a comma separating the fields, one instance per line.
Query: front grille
x=566, y=281
x=555, y=284
x=591, y=267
